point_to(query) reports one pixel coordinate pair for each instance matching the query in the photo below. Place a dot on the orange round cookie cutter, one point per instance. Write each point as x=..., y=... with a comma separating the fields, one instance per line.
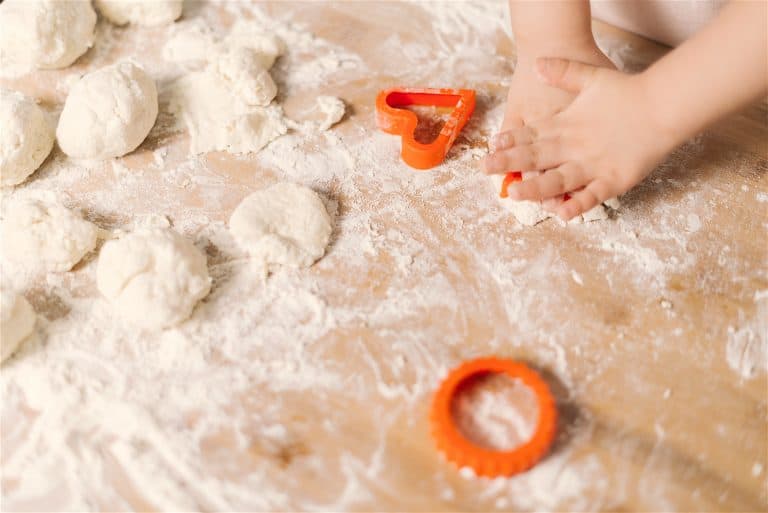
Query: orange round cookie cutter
x=392, y=118
x=486, y=462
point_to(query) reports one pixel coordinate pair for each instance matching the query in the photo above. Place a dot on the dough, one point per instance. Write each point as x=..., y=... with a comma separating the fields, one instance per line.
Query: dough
x=191, y=42
x=283, y=224
x=220, y=119
x=44, y=236
x=226, y=106
x=332, y=110
x=194, y=42
x=108, y=113
x=140, y=12
x=17, y=320
x=246, y=76
x=154, y=277
x=45, y=33
x=529, y=213
x=244, y=34
x=26, y=137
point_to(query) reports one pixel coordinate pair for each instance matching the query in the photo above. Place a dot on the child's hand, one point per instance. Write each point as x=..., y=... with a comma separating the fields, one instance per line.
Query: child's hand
x=605, y=142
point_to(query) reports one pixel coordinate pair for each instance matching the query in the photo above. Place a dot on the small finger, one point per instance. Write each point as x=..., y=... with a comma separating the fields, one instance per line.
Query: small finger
x=530, y=133
x=535, y=157
x=510, y=138
x=551, y=204
x=552, y=183
x=589, y=197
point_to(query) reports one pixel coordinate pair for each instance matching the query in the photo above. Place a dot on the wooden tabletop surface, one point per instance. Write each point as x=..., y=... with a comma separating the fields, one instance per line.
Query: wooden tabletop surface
x=629, y=320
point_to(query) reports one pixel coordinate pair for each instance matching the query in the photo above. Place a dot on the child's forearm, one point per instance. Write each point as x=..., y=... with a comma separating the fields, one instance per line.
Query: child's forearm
x=554, y=27
x=717, y=72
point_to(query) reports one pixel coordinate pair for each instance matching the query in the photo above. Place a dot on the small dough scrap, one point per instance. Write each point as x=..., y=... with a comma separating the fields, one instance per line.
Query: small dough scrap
x=140, y=12
x=26, y=137
x=108, y=113
x=17, y=321
x=527, y=213
x=242, y=69
x=45, y=34
x=153, y=277
x=596, y=213
x=285, y=224
x=43, y=236
x=332, y=110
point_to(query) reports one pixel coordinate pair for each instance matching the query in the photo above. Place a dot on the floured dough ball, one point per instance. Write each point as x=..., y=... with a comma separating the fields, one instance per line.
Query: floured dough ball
x=108, y=113
x=45, y=33
x=17, y=320
x=140, y=12
x=283, y=224
x=529, y=213
x=26, y=137
x=42, y=236
x=154, y=277
x=246, y=75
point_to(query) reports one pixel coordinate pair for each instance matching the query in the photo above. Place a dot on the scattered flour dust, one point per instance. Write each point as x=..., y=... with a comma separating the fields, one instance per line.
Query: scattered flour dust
x=243, y=406
x=747, y=348
x=496, y=412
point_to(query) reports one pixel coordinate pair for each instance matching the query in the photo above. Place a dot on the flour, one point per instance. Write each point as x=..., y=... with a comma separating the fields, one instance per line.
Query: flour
x=496, y=413
x=746, y=350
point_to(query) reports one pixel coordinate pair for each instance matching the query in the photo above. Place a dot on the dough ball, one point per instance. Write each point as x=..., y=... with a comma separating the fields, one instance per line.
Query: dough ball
x=26, y=137
x=140, y=12
x=17, y=320
x=45, y=33
x=154, y=277
x=283, y=224
x=108, y=113
x=43, y=236
x=246, y=76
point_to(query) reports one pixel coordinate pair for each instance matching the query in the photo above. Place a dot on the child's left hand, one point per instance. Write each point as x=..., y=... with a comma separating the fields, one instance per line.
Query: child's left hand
x=605, y=142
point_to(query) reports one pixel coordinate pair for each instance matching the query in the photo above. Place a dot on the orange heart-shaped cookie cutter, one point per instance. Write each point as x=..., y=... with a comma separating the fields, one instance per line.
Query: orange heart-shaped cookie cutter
x=392, y=118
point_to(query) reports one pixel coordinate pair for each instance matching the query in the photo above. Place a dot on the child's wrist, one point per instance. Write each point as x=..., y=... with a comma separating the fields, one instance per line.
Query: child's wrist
x=658, y=100
x=577, y=48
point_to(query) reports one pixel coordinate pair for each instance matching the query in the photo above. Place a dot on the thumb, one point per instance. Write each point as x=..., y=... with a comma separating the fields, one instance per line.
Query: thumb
x=564, y=74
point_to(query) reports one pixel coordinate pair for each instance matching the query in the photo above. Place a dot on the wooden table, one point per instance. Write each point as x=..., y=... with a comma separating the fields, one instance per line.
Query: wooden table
x=628, y=320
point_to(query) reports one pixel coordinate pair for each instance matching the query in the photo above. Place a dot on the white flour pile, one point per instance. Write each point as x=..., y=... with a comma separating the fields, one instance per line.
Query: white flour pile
x=308, y=390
